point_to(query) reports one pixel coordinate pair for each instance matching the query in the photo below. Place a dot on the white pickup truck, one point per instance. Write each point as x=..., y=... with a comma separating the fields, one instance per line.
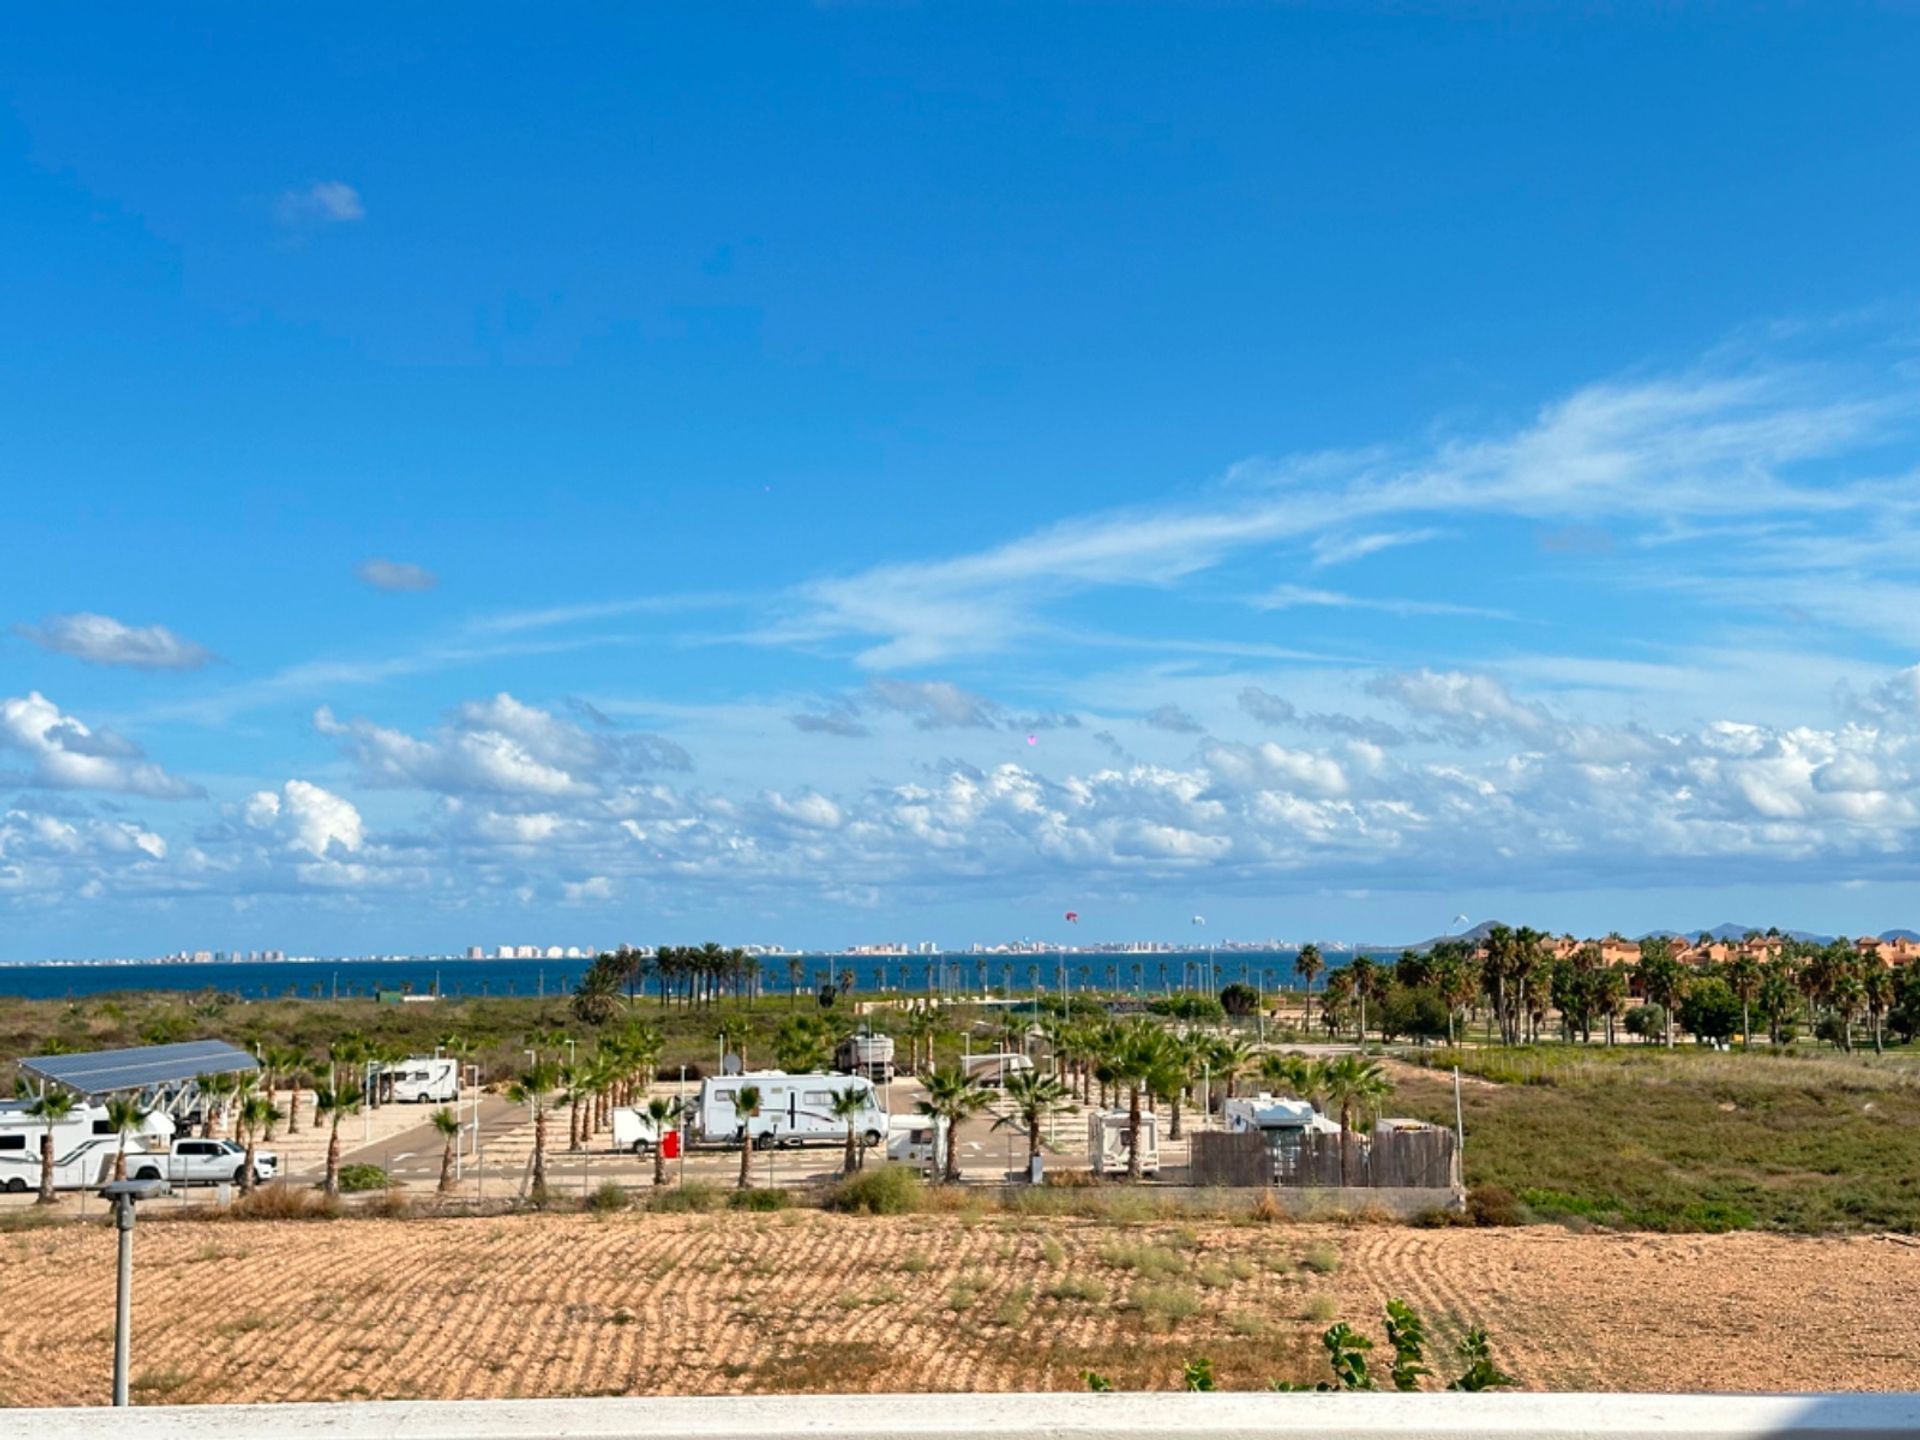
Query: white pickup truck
x=202, y=1162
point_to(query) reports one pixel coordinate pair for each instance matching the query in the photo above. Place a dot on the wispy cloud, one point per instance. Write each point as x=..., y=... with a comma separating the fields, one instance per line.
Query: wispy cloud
x=1286, y=597
x=1695, y=447
x=1339, y=549
x=103, y=640
x=325, y=202
x=395, y=575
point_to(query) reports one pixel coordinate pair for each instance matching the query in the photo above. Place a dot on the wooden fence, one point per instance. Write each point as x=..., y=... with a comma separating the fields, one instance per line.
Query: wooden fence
x=1412, y=1159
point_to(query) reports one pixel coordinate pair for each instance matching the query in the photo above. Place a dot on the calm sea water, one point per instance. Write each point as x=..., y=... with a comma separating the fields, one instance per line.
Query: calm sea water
x=322, y=979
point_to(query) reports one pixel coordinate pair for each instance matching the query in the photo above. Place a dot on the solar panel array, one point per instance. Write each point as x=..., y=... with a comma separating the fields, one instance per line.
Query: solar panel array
x=101, y=1071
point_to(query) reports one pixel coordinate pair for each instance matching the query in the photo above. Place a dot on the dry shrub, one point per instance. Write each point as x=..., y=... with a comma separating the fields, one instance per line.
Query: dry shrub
x=279, y=1202
x=884, y=1190
x=1267, y=1208
x=1495, y=1205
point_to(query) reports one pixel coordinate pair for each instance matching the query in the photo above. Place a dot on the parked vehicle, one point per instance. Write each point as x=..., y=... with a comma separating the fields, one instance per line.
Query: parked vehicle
x=993, y=1070
x=424, y=1080
x=204, y=1162
x=635, y=1130
x=1282, y=1121
x=1107, y=1142
x=917, y=1141
x=78, y=1142
x=794, y=1110
x=869, y=1056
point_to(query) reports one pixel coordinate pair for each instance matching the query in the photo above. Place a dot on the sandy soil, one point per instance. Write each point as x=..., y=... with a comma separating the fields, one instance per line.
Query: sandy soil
x=573, y=1305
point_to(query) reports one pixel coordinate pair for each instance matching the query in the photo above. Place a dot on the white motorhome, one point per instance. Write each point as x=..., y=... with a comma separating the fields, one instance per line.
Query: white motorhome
x=794, y=1109
x=919, y=1141
x=1282, y=1121
x=994, y=1069
x=84, y=1145
x=424, y=1080
x=870, y=1056
x=1107, y=1142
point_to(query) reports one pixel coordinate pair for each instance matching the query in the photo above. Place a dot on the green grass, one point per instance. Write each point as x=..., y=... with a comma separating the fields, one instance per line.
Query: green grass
x=1150, y=1262
x=1690, y=1140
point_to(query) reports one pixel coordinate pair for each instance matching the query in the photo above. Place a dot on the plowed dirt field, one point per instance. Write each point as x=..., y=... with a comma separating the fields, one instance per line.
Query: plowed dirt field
x=577, y=1305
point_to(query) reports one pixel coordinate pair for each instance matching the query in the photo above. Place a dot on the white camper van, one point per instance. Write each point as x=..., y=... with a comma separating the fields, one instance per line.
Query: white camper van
x=794, y=1109
x=1282, y=1121
x=634, y=1129
x=424, y=1080
x=870, y=1056
x=1107, y=1142
x=994, y=1069
x=84, y=1145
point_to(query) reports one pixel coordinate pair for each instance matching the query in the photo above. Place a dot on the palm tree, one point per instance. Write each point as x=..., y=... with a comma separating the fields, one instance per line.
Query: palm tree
x=662, y=1112
x=1743, y=978
x=447, y=1125
x=847, y=1107
x=1880, y=990
x=1353, y=1083
x=335, y=1102
x=1135, y=1052
x=531, y=1088
x=124, y=1118
x=953, y=1096
x=1307, y=965
x=1035, y=1095
x=50, y=1107
x=1366, y=985
x=1229, y=1057
x=1609, y=994
x=215, y=1090
x=746, y=1104
x=255, y=1113
x=285, y=1062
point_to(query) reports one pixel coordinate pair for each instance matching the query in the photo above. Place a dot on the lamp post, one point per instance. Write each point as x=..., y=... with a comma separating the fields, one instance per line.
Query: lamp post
x=122, y=1194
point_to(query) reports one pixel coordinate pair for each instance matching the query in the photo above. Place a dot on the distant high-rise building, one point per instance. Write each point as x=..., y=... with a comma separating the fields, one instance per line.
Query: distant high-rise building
x=476, y=952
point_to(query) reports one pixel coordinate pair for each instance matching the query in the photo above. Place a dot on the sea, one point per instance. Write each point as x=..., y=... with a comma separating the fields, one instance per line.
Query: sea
x=952, y=975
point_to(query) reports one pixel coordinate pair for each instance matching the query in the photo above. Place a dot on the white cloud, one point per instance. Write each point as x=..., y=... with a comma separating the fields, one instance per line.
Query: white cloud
x=395, y=575
x=1340, y=549
x=325, y=202
x=1174, y=719
x=934, y=704
x=103, y=640
x=302, y=816
x=1286, y=597
x=502, y=746
x=66, y=754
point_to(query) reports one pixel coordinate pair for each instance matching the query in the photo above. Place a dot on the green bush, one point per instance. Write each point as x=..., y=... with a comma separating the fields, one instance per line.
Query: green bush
x=356, y=1179
x=695, y=1196
x=759, y=1200
x=608, y=1197
x=884, y=1190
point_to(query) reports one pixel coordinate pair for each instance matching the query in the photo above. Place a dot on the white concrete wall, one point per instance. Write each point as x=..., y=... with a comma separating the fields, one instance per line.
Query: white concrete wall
x=1237, y=1416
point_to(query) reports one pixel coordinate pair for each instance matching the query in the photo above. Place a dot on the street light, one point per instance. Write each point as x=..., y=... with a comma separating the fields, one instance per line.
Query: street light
x=122, y=1194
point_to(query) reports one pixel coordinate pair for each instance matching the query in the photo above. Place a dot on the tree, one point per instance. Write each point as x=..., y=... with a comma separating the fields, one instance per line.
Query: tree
x=733, y=1035
x=1336, y=1001
x=1228, y=1057
x=1663, y=980
x=953, y=1096
x=1353, y=1083
x=847, y=1106
x=664, y=1114
x=1879, y=989
x=335, y=1103
x=1308, y=965
x=1456, y=976
x=1710, y=1009
x=1135, y=1051
x=1366, y=986
x=1238, y=999
x=49, y=1107
x=1646, y=1021
x=446, y=1125
x=124, y=1118
x=746, y=1104
x=254, y=1114
x=1742, y=975
x=1609, y=994
x=1417, y=1011
x=803, y=1044
x=1035, y=1096
x=531, y=1088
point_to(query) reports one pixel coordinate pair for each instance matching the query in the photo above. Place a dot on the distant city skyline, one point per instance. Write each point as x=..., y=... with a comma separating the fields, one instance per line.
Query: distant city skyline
x=837, y=472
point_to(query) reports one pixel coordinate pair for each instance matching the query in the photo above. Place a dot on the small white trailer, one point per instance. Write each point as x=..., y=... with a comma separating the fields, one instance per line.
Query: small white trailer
x=993, y=1070
x=424, y=1080
x=794, y=1110
x=917, y=1140
x=634, y=1129
x=1107, y=1142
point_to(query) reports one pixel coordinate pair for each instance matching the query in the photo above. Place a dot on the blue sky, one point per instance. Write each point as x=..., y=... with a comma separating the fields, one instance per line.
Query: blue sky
x=829, y=473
